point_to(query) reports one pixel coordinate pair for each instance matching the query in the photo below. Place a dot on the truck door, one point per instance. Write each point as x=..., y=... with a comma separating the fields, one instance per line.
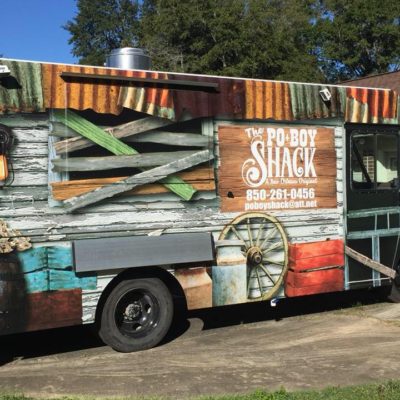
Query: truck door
x=372, y=196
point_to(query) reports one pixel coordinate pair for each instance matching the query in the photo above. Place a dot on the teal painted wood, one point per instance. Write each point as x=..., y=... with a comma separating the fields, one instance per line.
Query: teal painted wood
x=26, y=94
x=37, y=281
x=69, y=280
x=59, y=257
x=33, y=259
x=51, y=268
x=88, y=281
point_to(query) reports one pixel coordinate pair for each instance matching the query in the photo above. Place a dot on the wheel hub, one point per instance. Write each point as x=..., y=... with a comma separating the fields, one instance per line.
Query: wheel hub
x=254, y=256
x=132, y=311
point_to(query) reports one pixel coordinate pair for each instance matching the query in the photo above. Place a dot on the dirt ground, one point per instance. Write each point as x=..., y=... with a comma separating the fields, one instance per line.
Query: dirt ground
x=302, y=343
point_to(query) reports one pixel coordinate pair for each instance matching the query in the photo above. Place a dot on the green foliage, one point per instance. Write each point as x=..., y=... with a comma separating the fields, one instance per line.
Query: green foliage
x=103, y=25
x=249, y=38
x=298, y=40
x=357, y=38
x=384, y=391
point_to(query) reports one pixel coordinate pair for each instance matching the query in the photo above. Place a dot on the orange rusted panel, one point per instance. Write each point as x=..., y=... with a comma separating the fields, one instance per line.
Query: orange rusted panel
x=371, y=105
x=154, y=101
x=102, y=98
x=268, y=100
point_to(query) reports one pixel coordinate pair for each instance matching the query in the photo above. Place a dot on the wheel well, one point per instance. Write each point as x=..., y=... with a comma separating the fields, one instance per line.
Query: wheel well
x=178, y=295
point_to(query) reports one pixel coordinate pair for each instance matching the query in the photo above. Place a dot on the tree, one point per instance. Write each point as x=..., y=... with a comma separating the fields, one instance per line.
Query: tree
x=103, y=25
x=357, y=38
x=250, y=38
x=191, y=36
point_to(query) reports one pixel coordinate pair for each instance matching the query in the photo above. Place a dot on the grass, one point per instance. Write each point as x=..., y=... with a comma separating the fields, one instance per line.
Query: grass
x=385, y=391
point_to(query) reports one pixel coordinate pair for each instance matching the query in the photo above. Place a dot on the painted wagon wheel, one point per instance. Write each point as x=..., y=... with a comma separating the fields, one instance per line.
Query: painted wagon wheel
x=266, y=251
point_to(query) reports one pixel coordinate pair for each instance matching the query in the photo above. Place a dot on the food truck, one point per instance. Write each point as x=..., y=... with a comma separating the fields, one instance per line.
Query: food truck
x=124, y=191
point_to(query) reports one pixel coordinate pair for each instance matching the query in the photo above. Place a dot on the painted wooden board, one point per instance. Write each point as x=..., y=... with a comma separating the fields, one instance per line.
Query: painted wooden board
x=54, y=309
x=37, y=281
x=316, y=289
x=306, y=256
x=47, y=268
x=300, y=227
x=59, y=280
x=271, y=167
x=118, y=132
x=114, y=162
x=201, y=178
x=171, y=138
x=376, y=266
x=315, y=278
x=163, y=173
x=117, y=147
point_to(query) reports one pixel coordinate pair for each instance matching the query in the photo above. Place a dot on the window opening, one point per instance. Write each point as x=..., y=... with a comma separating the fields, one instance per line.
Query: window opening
x=374, y=161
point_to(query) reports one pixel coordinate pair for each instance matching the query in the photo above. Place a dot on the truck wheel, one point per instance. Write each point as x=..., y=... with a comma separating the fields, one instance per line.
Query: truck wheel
x=137, y=315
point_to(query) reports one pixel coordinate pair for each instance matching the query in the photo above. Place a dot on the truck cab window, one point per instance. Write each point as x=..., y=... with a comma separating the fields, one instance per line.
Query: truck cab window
x=374, y=161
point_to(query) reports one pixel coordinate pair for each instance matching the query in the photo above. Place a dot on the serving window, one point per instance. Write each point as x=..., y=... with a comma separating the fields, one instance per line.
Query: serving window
x=374, y=161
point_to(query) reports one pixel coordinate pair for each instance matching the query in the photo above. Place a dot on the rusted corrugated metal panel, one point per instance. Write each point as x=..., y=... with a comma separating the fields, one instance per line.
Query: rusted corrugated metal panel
x=371, y=106
x=267, y=100
x=154, y=101
x=34, y=87
x=100, y=97
x=306, y=102
x=228, y=102
x=22, y=91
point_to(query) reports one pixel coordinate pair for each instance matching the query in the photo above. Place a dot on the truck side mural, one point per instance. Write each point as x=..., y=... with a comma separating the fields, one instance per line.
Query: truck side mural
x=123, y=190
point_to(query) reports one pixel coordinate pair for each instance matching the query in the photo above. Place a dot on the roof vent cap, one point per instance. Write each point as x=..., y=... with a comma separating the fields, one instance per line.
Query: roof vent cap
x=128, y=58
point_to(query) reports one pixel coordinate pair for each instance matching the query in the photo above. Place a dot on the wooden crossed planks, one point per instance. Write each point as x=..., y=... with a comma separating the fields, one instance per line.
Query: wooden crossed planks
x=162, y=173
x=149, y=176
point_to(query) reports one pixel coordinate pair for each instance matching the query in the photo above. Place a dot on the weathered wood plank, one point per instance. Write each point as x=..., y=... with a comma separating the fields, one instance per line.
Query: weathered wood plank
x=118, y=132
x=114, y=162
x=14, y=194
x=20, y=120
x=297, y=234
x=54, y=176
x=149, y=176
x=31, y=178
x=64, y=192
x=375, y=265
x=128, y=223
x=29, y=150
x=202, y=178
x=92, y=133
x=117, y=147
x=171, y=138
x=138, y=126
x=30, y=164
x=60, y=130
x=30, y=135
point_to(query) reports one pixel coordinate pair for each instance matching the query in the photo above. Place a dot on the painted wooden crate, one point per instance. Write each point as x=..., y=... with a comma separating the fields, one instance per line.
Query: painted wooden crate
x=315, y=267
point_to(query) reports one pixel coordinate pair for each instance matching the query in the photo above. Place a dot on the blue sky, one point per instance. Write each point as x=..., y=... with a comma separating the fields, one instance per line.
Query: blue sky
x=32, y=29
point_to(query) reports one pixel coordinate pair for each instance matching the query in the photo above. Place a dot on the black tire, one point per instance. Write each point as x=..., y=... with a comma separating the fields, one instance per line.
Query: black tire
x=136, y=315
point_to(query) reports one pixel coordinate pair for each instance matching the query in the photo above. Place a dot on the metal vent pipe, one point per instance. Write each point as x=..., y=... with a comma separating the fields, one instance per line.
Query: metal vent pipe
x=128, y=58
